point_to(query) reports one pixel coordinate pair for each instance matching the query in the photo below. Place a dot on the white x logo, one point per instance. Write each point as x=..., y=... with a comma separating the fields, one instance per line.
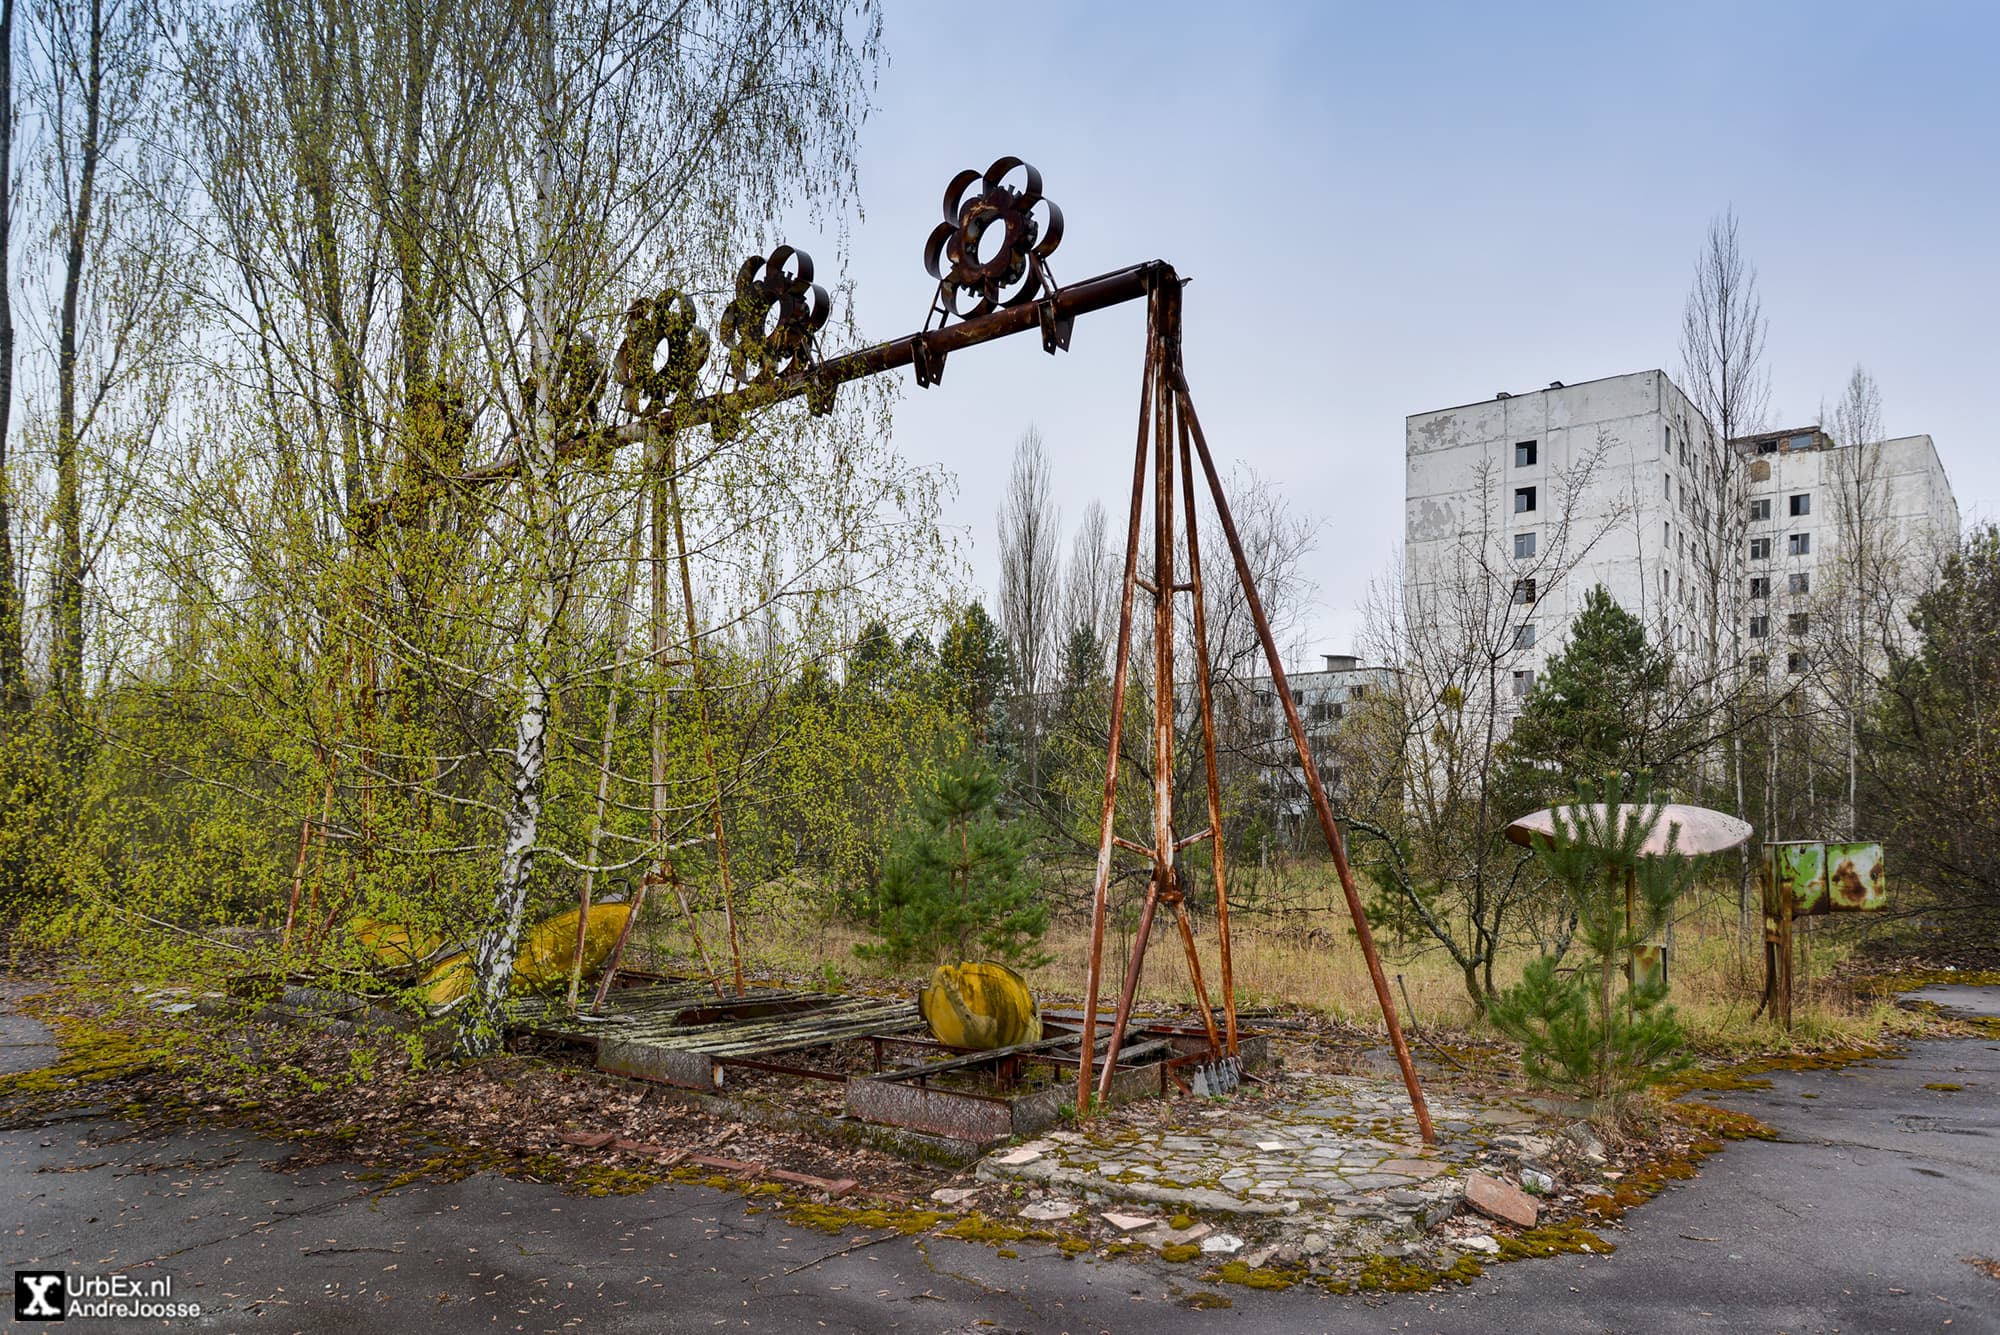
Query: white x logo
x=39, y=1288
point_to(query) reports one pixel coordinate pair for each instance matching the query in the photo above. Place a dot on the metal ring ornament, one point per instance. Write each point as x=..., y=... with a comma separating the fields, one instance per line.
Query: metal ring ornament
x=668, y=319
x=780, y=282
x=1016, y=272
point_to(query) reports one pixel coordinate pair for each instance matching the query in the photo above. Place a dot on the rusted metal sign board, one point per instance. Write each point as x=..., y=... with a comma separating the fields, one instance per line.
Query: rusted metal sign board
x=1806, y=878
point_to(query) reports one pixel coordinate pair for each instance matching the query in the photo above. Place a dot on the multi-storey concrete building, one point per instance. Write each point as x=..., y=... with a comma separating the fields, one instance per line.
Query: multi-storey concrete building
x=1528, y=500
x=1814, y=506
x=1324, y=698
x=1549, y=493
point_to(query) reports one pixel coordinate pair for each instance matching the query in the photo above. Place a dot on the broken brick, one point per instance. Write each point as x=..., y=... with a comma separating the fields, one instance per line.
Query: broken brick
x=835, y=1187
x=1500, y=1200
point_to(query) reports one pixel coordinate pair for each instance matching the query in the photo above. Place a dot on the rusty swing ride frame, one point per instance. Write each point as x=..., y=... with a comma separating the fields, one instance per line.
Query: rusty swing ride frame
x=769, y=330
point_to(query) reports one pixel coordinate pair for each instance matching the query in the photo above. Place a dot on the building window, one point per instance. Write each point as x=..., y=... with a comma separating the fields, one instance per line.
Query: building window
x=1524, y=454
x=1802, y=503
x=1760, y=586
x=1667, y=536
x=1798, y=623
x=1798, y=582
x=1669, y=480
x=1357, y=692
x=1524, y=635
x=1799, y=544
x=1759, y=627
x=1524, y=591
x=1795, y=662
x=1760, y=509
x=1524, y=681
x=1759, y=663
x=1524, y=500
x=1760, y=549
x=1524, y=546
x=1767, y=447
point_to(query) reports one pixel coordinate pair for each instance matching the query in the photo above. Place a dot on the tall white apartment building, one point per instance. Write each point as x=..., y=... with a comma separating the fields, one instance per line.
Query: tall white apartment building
x=1563, y=488
x=1537, y=497
x=1809, y=499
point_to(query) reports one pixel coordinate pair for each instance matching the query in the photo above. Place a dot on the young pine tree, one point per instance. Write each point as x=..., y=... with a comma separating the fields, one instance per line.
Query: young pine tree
x=1576, y=1032
x=953, y=883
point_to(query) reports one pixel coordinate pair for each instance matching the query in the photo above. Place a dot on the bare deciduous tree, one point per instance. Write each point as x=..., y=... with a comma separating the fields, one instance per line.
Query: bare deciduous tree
x=1090, y=582
x=1030, y=525
x=13, y=677
x=1030, y=557
x=1422, y=810
x=121, y=262
x=1723, y=374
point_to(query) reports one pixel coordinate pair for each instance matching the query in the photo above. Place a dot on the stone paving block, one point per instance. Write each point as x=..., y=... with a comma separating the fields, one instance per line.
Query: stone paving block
x=1377, y=1181
x=1048, y=1210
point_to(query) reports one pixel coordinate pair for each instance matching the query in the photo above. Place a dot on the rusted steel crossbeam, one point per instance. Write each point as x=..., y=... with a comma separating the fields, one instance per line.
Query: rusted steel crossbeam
x=926, y=351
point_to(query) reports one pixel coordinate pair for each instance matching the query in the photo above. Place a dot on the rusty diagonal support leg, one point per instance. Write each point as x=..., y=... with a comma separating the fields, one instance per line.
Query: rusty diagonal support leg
x=1321, y=807
x=1205, y=691
x=1120, y=674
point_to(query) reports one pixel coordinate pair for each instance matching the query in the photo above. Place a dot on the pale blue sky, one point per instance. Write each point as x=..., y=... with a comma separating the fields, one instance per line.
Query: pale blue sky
x=1392, y=208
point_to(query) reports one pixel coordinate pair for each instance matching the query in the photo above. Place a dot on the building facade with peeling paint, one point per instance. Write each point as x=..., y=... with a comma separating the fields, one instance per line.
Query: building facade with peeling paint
x=1528, y=500
x=1523, y=502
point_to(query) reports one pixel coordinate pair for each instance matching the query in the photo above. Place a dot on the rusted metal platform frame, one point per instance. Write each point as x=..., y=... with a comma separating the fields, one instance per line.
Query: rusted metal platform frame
x=770, y=331
x=671, y=1031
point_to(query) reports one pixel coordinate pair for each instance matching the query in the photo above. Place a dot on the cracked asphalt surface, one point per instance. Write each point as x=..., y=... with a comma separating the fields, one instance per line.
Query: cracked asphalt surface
x=1856, y=1220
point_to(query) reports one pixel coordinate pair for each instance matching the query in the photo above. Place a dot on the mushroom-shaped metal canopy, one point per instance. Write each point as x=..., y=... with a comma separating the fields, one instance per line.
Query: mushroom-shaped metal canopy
x=1702, y=831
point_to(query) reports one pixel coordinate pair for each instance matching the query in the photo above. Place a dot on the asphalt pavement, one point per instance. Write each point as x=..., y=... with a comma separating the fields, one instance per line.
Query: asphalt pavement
x=1856, y=1220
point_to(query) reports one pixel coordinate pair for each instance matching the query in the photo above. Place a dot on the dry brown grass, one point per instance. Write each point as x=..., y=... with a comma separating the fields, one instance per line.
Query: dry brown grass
x=1304, y=955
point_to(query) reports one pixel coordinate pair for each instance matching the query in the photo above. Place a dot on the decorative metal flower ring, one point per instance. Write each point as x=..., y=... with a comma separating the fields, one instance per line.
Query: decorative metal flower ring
x=769, y=327
x=650, y=381
x=1014, y=269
